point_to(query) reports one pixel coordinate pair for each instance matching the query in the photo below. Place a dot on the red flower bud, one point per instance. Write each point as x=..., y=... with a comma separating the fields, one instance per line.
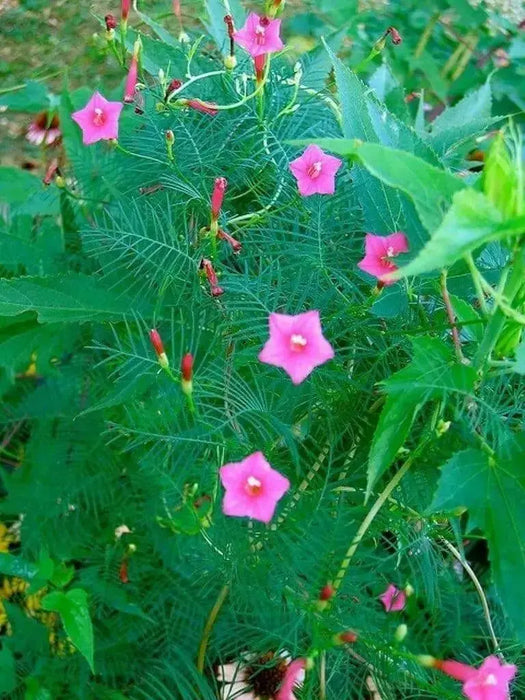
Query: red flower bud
x=200, y=106
x=131, y=81
x=348, y=637
x=236, y=246
x=156, y=341
x=259, y=63
x=186, y=367
x=211, y=276
x=123, y=571
x=111, y=22
x=125, y=7
x=217, y=197
x=228, y=20
x=394, y=35
x=52, y=168
x=327, y=592
x=174, y=85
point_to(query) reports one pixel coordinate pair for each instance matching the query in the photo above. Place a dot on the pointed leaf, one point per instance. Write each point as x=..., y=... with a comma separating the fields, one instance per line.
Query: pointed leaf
x=493, y=491
x=74, y=612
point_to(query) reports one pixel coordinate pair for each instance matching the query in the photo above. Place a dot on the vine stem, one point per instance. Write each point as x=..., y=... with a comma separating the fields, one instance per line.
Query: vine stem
x=451, y=316
x=477, y=585
x=374, y=510
x=223, y=594
x=423, y=41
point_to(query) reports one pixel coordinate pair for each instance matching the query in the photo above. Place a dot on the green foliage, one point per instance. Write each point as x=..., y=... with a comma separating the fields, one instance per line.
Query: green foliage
x=403, y=452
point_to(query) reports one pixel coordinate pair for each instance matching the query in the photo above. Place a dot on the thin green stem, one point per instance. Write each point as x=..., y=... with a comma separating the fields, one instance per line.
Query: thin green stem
x=477, y=586
x=475, y=274
x=451, y=316
x=223, y=594
x=424, y=39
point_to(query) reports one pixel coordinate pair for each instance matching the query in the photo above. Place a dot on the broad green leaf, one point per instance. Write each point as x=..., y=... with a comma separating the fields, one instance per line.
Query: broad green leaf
x=55, y=299
x=317, y=63
x=74, y=613
x=7, y=671
x=468, y=117
x=430, y=188
x=16, y=566
x=159, y=30
x=393, y=427
x=433, y=373
x=216, y=11
x=468, y=319
x=17, y=185
x=493, y=491
x=31, y=97
x=471, y=222
x=519, y=365
x=381, y=206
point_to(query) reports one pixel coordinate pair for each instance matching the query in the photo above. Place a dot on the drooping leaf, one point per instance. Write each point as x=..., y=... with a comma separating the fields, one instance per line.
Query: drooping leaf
x=74, y=613
x=493, y=491
x=433, y=373
x=471, y=222
x=7, y=671
x=64, y=298
x=11, y=565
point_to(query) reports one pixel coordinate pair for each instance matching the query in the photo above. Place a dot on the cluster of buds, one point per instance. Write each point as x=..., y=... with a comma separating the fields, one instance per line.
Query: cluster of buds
x=230, y=61
x=212, y=278
x=131, y=80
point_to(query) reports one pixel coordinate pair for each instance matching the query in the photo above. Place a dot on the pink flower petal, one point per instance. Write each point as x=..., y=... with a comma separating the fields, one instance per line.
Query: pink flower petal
x=393, y=599
x=315, y=171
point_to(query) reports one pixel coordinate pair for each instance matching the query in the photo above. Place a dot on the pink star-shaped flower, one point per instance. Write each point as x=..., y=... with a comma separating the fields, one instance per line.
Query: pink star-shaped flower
x=315, y=171
x=260, y=35
x=379, y=251
x=488, y=682
x=296, y=344
x=393, y=599
x=293, y=678
x=252, y=488
x=99, y=119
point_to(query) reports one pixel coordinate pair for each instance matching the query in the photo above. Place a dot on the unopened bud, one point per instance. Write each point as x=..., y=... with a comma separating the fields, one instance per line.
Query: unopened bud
x=51, y=170
x=219, y=188
x=132, y=548
x=409, y=590
x=348, y=637
x=230, y=62
x=235, y=245
x=228, y=20
x=309, y=663
x=111, y=22
x=156, y=341
x=442, y=427
x=400, y=633
x=174, y=85
x=184, y=38
x=327, y=592
x=131, y=81
x=125, y=7
x=60, y=182
x=170, y=140
x=121, y=530
x=426, y=660
x=394, y=35
x=110, y=35
x=211, y=276
x=186, y=368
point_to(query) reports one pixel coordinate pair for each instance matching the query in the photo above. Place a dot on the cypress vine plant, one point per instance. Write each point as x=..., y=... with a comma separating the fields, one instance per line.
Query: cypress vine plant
x=262, y=407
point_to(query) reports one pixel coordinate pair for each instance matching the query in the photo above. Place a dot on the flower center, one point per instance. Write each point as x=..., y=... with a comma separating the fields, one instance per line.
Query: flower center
x=98, y=117
x=260, y=35
x=253, y=486
x=490, y=680
x=264, y=678
x=315, y=169
x=298, y=342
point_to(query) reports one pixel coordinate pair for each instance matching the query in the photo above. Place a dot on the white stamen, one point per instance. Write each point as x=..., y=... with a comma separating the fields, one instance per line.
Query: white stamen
x=252, y=481
x=298, y=342
x=98, y=119
x=490, y=680
x=390, y=252
x=315, y=169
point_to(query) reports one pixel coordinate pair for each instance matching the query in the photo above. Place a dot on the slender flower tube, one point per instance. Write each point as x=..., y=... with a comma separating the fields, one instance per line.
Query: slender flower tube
x=124, y=10
x=51, y=171
x=236, y=246
x=131, y=80
x=212, y=278
x=259, y=63
x=200, y=106
x=217, y=197
x=186, y=369
x=232, y=62
x=158, y=346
